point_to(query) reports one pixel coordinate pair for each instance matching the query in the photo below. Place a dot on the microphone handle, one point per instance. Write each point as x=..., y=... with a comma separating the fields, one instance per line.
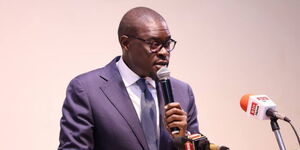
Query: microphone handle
x=274, y=114
x=168, y=97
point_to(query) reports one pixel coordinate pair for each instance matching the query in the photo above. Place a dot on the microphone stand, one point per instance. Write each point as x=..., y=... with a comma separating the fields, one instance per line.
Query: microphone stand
x=275, y=129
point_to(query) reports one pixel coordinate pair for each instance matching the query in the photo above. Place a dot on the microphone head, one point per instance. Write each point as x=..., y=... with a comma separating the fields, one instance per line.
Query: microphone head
x=256, y=106
x=163, y=73
x=244, y=101
x=224, y=148
x=216, y=147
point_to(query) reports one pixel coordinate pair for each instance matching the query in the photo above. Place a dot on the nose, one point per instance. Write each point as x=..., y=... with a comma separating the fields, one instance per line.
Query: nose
x=163, y=53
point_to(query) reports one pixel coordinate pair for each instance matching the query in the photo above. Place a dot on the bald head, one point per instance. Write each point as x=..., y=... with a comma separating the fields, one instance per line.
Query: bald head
x=142, y=30
x=137, y=20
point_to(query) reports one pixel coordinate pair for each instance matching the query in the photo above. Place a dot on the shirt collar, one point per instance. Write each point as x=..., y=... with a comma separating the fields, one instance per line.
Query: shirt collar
x=129, y=77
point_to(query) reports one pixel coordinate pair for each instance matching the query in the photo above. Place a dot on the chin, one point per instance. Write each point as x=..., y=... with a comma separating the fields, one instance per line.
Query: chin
x=157, y=67
x=153, y=73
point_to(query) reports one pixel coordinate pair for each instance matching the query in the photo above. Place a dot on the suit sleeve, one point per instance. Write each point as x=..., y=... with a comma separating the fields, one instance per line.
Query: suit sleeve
x=77, y=122
x=192, y=113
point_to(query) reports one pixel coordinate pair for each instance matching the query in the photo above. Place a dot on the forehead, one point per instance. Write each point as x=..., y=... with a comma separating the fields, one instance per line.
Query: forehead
x=153, y=28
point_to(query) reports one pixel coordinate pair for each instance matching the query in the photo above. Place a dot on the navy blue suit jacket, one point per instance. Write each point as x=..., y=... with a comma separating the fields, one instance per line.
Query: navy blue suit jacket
x=99, y=115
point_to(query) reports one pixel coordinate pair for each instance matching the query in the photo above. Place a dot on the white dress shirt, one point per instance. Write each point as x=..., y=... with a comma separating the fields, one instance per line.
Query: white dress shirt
x=130, y=78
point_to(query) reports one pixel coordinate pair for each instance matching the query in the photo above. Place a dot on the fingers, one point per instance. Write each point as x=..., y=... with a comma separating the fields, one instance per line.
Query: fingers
x=175, y=117
x=172, y=105
x=177, y=122
x=174, y=112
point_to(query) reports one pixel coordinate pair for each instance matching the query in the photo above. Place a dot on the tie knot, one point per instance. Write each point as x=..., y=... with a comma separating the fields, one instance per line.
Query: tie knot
x=142, y=84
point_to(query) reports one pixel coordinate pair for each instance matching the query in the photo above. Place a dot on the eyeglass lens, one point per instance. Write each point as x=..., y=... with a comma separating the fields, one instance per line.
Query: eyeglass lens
x=168, y=45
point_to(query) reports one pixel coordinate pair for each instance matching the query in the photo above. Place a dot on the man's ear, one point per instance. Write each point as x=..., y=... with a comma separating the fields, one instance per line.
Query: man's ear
x=124, y=41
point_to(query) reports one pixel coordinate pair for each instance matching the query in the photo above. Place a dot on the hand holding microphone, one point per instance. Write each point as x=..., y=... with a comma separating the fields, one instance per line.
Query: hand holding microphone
x=175, y=117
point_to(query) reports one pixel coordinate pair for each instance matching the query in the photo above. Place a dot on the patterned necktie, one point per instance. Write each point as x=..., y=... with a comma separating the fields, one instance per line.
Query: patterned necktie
x=148, y=115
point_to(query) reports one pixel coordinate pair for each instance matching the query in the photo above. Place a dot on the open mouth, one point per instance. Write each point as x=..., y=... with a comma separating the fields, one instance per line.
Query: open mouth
x=161, y=64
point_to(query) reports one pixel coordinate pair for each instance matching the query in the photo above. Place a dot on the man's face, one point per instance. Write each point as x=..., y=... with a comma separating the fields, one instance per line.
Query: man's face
x=143, y=62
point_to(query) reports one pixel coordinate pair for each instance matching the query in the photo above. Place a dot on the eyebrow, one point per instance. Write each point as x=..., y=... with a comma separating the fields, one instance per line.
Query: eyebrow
x=158, y=39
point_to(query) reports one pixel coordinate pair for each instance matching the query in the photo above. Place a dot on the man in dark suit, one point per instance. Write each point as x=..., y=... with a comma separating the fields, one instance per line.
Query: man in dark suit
x=111, y=108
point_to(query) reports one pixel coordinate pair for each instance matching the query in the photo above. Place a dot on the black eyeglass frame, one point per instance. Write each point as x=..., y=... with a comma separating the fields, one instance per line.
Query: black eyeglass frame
x=162, y=44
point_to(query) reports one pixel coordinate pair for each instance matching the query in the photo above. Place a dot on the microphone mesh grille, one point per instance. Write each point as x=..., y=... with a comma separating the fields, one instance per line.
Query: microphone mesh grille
x=163, y=73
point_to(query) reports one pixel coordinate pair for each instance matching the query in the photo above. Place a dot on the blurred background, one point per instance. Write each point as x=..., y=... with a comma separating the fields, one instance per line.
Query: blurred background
x=225, y=49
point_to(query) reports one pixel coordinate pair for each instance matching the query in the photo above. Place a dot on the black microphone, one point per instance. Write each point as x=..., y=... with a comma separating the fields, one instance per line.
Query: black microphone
x=201, y=142
x=163, y=74
x=179, y=142
x=198, y=141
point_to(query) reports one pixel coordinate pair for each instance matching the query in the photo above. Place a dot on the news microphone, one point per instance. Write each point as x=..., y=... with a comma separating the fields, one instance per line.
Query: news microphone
x=260, y=107
x=163, y=74
x=180, y=141
x=200, y=142
x=216, y=147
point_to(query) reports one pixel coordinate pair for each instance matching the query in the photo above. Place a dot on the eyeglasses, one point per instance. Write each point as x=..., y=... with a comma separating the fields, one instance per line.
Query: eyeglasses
x=156, y=46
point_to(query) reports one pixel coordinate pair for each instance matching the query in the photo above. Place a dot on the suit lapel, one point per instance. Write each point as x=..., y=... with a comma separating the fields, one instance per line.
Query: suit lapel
x=116, y=92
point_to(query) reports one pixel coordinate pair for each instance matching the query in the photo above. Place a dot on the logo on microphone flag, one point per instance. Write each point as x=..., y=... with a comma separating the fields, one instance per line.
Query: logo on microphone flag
x=262, y=98
x=254, y=109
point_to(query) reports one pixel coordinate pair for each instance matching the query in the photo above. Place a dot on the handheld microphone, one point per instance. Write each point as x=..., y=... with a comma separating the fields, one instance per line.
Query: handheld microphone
x=216, y=147
x=163, y=74
x=260, y=107
x=196, y=142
